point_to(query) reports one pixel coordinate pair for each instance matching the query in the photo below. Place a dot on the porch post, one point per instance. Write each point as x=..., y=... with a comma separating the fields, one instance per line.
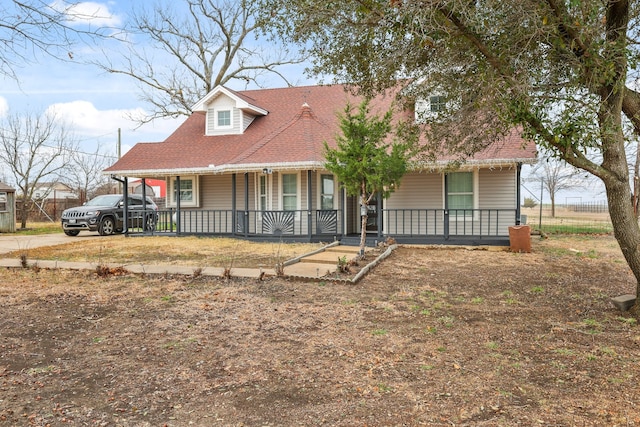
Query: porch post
x=309, y=205
x=144, y=205
x=246, y=204
x=343, y=217
x=446, y=206
x=234, y=211
x=177, y=190
x=518, y=193
x=379, y=216
x=125, y=213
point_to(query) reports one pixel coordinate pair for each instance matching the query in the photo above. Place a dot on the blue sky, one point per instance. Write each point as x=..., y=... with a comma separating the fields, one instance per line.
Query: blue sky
x=96, y=104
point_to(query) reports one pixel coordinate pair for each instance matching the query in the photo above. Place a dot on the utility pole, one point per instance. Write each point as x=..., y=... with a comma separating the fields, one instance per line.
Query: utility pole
x=541, y=194
x=119, y=155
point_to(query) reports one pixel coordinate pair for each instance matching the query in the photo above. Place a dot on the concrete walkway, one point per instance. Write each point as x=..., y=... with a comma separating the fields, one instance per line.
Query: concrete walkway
x=312, y=266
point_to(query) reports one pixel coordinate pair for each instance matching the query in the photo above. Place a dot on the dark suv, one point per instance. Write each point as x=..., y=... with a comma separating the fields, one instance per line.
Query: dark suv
x=105, y=214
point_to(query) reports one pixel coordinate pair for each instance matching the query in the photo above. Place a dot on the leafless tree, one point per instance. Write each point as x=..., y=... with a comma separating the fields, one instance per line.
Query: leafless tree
x=556, y=175
x=29, y=28
x=85, y=172
x=34, y=148
x=195, y=46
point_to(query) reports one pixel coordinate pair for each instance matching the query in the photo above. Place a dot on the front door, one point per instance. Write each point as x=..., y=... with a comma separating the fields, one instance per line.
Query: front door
x=372, y=216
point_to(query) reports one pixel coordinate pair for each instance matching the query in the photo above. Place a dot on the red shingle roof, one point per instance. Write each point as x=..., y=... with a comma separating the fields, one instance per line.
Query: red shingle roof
x=291, y=135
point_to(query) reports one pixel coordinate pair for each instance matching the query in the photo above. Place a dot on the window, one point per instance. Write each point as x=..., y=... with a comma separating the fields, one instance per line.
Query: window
x=460, y=190
x=3, y=202
x=262, y=192
x=188, y=192
x=290, y=192
x=437, y=103
x=327, y=191
x=223, y=118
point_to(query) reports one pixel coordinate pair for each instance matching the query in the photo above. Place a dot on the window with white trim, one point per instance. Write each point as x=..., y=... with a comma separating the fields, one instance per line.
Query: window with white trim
x=290, y=191
x=263, y=193
x=437, y=103
x=189, y=196
x=460, y=190
x=223, y=118
x=3, y=202
x=327, y=191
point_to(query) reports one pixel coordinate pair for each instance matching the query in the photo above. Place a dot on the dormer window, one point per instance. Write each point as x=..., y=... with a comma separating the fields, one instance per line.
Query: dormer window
x=223, y=119
x=430, y=107
x=228, y=112
x=437, y=103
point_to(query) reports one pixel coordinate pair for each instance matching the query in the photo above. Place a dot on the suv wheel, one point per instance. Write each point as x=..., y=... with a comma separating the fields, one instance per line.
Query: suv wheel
x=107, y=226
x=150, y=223
x=71, y=232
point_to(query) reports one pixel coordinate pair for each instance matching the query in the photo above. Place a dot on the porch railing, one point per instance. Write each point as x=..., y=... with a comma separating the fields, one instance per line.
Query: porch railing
x=251, y=223
x=448, y=222
x=410, y=223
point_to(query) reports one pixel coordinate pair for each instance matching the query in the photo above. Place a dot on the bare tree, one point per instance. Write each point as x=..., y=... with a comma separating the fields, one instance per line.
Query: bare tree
x=85, y=172
x=34, y=148
x=29, y=28
x=556, y=175
x=196, y=45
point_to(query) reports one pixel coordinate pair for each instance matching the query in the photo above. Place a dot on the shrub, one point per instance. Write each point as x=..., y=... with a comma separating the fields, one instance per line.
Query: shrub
x=529, y=203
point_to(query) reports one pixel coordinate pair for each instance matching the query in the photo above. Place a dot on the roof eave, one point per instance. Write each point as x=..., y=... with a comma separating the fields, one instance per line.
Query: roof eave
x=313, y=165
x=240, y=103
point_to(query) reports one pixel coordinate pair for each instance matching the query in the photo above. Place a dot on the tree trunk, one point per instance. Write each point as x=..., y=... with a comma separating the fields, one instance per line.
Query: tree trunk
x=553, y=204
x=24, y=212
x=636, y=181
x=625, y=228
x=363, y=234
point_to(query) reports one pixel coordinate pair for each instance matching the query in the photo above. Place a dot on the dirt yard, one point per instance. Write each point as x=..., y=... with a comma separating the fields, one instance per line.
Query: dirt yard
x=437, y=337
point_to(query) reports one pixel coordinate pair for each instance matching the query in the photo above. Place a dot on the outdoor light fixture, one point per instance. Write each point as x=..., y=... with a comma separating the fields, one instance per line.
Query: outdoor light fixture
x=267, y=171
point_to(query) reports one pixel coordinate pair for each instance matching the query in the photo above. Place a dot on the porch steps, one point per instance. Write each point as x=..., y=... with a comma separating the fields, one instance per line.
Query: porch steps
x=322, y=263
x=331, y=255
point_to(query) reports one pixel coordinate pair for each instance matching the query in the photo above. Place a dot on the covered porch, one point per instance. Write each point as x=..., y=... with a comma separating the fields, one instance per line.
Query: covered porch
x=242, y=205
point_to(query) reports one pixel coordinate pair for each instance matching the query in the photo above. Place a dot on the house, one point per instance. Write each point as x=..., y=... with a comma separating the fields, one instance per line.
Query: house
x=251, y=164
x=53, y=191
x=156, y=188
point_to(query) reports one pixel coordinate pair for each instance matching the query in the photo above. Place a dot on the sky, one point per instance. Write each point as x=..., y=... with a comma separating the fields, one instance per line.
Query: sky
x=93, y=103
x=96, y=104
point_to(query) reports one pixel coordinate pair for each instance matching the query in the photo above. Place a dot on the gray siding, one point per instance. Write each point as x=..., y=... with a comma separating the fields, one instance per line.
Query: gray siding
x=247, y=119
x=215, y=192
x=497, y=189
x=416, y=207
x=419, y=201
x=417, y=190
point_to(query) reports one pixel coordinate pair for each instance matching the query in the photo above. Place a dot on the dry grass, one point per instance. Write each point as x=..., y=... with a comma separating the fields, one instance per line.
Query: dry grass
x=432, y=336
x=188, y=251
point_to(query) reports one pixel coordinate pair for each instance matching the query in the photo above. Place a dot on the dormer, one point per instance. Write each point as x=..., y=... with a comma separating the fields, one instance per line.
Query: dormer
x=429, y=107
x=228, y=112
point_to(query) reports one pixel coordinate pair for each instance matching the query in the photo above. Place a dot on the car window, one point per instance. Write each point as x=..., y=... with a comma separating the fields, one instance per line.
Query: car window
x=105, y=200
x=133, y=201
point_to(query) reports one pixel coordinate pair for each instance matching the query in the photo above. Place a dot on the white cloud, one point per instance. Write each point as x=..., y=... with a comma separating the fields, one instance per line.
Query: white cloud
x=87, y=12
x=86, y=119
x=89, y=122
